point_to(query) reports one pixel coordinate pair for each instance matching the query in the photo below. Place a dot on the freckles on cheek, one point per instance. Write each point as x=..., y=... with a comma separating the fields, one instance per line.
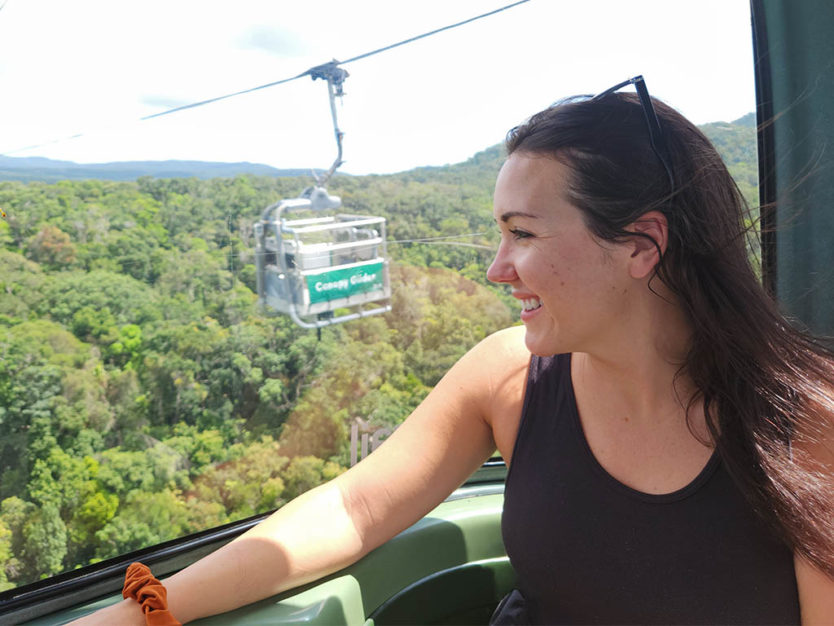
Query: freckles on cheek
x=556, y=274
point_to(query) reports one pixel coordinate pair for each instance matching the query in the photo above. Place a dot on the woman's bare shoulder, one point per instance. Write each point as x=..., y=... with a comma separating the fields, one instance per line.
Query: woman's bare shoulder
x=501, y=361
x=494, y=371
x=502, y=349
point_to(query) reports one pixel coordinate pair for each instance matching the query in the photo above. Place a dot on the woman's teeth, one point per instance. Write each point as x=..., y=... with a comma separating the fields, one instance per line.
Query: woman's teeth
x=529, y=304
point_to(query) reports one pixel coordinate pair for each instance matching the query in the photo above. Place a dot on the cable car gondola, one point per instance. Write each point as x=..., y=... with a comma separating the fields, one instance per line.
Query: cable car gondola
x=309, y=268
x=313, y=267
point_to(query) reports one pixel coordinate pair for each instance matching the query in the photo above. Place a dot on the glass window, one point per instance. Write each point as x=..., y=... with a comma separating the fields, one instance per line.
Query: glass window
x=143, y=395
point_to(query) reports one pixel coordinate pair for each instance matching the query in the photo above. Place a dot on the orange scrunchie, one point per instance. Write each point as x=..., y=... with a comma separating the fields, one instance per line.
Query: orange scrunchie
x=141, y=586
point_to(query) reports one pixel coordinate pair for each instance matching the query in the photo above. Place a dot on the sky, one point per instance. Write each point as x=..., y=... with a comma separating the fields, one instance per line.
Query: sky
x=94, y=67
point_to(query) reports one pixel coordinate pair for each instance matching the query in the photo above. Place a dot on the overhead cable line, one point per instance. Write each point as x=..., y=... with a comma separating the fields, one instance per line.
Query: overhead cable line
x=437, y=238
x=433, y=32
x=194, y=105
x=461, y=244
x=314, y=72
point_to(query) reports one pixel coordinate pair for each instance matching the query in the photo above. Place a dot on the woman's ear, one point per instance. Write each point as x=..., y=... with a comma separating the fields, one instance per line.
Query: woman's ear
x=648, y=243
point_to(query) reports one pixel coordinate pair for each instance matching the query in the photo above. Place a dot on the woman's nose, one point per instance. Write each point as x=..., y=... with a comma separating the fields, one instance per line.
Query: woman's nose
x=501, y=270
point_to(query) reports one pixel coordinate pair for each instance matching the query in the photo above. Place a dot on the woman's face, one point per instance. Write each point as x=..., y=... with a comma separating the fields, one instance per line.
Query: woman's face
x=572, y=287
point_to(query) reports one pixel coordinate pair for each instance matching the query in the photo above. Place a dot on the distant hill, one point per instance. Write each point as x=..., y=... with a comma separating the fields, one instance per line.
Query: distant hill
x=48, y=170
x=736, y=141
x=746, y=120
x=482, y=168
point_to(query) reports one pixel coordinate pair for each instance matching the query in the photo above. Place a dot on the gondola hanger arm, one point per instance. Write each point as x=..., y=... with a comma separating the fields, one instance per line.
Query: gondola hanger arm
x=335, y=77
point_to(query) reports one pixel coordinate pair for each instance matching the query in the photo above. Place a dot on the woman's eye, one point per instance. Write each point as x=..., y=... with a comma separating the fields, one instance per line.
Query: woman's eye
x=519, y=234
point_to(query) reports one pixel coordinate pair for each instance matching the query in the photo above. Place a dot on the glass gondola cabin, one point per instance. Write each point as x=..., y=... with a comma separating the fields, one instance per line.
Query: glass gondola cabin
x=311, y=268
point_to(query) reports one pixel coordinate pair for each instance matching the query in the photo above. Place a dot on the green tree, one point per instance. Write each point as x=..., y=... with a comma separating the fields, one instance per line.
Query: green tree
x=249, y=484
x=128, y=300
x=44, y=543
x=127, y=346
x=5, y=557
x=21, y=284
x=306, y=472
x=143, y=519
x=14, y=512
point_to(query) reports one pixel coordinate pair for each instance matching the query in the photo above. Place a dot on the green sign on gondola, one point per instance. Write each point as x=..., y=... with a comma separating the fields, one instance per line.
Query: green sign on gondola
x=343, y=283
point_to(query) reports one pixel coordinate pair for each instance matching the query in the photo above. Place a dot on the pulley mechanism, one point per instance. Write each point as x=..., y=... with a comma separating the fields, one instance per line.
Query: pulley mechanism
x=322, y=270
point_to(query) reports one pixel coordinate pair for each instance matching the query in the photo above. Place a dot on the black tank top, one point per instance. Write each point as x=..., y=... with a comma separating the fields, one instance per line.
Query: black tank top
x=587, y=549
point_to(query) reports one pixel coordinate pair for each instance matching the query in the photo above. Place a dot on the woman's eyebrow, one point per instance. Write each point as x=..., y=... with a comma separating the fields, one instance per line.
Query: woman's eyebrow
x=505, y=217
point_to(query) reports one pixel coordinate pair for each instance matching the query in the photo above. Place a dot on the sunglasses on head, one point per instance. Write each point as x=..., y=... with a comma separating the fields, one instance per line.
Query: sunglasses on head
x=655, y=133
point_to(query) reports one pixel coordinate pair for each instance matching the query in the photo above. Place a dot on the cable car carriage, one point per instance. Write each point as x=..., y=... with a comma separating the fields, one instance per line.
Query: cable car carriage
x=311, y=267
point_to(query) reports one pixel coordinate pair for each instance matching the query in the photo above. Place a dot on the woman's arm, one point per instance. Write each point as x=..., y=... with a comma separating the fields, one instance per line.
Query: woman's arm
x=446, y=438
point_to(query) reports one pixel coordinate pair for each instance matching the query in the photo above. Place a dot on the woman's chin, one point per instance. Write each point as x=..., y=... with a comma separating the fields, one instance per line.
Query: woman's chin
x=541, y=346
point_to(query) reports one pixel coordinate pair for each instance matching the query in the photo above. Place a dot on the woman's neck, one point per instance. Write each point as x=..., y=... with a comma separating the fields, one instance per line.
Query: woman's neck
x=639, y=368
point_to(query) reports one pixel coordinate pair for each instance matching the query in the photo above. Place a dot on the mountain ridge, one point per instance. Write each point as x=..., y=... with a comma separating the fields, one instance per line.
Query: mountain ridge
x=27, y=169
x=486, y=162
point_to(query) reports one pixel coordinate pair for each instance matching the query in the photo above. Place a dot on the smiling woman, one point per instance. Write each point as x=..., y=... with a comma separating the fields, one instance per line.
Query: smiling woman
x=655, y=381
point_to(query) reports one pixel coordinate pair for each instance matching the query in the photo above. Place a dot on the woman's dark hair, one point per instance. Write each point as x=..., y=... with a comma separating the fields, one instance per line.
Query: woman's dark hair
x=766, y=386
